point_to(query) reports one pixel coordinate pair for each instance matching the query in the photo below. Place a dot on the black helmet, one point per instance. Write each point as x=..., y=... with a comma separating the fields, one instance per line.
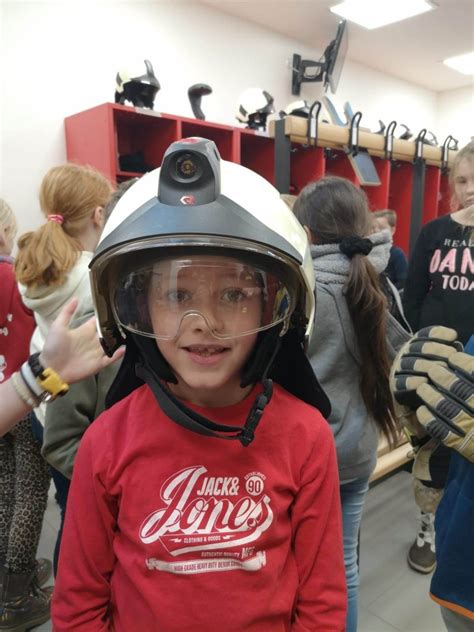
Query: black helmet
x=138, y=89
x=196, y=206
x=254, y=107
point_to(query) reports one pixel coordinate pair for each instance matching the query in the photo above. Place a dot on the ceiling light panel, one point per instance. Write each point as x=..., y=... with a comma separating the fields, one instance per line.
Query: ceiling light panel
x=462, y=63
x=373, y=14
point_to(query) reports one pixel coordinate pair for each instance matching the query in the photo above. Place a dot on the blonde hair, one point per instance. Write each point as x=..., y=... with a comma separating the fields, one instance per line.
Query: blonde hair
x=73, y=192
x=7, y=224
x=465, y=152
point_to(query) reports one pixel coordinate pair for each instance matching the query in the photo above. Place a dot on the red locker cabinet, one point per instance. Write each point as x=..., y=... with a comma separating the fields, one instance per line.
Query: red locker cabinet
x=101, y=135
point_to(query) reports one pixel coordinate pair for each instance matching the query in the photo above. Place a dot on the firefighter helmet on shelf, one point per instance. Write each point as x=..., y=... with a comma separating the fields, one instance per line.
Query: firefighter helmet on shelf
x=138, y=89
x=254, y=107
x=297, y=108
x=199, y=216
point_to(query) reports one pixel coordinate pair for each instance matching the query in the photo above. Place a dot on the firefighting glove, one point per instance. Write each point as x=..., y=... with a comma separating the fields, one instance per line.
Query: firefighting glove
x=447, y=412
x=429, y=347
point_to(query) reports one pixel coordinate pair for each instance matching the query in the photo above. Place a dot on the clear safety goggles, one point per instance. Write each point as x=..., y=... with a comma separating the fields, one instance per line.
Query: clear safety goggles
x=231, y=297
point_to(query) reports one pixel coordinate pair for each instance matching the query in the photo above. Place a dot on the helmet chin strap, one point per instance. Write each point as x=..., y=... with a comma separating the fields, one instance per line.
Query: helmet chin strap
x=176, y=410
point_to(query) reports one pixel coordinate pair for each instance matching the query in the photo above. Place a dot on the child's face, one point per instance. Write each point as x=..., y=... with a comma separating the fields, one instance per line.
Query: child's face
x=382, y=223
x=193, y=308
x=464, y=182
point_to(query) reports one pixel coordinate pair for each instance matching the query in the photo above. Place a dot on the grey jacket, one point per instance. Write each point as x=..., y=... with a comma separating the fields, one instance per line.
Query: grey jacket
x=67, y=418
x=336, y=361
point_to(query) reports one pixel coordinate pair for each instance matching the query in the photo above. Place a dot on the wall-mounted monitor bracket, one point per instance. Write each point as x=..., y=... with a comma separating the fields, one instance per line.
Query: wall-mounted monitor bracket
x=305, y=71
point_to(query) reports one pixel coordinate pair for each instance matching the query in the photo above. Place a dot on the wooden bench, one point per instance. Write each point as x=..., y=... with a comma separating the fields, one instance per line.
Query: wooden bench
x=390, y=460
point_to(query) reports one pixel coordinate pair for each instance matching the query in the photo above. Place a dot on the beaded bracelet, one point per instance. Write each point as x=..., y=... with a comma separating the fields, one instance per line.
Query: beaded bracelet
x=23, y=391
x=30, y=380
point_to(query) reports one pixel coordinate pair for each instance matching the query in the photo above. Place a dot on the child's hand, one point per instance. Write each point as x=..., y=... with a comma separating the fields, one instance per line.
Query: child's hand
x=74, y=353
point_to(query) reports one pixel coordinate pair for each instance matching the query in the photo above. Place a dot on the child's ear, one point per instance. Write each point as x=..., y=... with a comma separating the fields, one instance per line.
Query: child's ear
x=98, y=216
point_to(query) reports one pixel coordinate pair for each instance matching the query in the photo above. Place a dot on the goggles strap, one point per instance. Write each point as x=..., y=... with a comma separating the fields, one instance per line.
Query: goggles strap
x=261, y=400
x=256, y=412
x=191, y=420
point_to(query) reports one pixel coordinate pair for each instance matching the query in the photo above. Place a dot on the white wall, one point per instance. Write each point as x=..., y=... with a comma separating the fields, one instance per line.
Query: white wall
x=63, y=57
x=455, y=114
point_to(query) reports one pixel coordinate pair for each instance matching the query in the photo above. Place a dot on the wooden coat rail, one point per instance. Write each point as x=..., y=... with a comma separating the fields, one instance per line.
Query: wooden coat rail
x=336, y=137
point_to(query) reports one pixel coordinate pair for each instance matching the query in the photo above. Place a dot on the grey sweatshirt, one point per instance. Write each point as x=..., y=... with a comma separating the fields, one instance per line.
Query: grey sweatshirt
x=335, y=358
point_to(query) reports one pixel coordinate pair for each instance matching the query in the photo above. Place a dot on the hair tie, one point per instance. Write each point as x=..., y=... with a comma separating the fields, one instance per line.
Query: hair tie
x=351, y=246
x=58, y=219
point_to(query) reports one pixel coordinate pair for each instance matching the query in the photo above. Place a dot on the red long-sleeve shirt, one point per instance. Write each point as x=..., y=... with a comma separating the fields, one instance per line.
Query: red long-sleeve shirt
x=170, y=531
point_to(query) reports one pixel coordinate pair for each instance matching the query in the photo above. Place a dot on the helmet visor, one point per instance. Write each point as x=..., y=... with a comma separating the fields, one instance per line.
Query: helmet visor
x=233, y=297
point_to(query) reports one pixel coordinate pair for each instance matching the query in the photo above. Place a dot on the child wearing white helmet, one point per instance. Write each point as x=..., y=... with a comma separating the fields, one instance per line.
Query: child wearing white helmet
x=206, y=497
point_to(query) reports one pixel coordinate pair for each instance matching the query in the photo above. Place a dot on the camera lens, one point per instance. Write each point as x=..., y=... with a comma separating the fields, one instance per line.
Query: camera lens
x=187, y=167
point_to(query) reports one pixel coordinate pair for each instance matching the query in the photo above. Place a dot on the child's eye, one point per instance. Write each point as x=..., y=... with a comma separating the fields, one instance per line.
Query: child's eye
x=234, y=295
x=178, y=296
x=460, y=180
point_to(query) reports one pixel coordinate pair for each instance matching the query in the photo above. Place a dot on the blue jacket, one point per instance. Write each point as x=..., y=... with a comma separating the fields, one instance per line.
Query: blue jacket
x=397, y=267
x=452, y=585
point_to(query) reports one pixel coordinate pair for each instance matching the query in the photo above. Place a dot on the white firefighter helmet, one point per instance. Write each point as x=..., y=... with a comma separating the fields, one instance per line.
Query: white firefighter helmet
x=133, y=86
x=297, y=108
x=196, y=206
x=254, y=107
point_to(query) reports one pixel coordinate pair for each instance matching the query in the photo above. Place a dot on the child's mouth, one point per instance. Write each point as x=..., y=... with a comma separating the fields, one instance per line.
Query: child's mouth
x=205, y=351
x=205, y=354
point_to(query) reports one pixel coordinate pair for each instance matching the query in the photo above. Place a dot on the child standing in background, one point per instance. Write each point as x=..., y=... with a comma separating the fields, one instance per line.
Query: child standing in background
x=354, y=341
x=67, y=418
x=52, y=262
x=439, y=290
x=397, y=266
x=24, y=476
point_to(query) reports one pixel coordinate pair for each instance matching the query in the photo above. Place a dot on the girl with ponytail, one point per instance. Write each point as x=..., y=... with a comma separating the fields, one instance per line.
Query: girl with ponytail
x=72, y=198
x=52, y=265
x=52, y=261
x=354, y=342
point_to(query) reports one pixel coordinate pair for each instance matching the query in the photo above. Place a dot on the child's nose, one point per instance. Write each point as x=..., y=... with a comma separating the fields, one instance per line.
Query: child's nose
x=206, y=318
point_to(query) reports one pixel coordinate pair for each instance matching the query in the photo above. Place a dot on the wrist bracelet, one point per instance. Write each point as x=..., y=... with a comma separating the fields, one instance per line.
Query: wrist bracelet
x=22, y=390
x=30, y=380
x=47, y=380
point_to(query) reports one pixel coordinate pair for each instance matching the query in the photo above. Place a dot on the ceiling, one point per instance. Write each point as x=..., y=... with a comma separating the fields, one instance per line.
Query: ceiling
x=412, y=49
